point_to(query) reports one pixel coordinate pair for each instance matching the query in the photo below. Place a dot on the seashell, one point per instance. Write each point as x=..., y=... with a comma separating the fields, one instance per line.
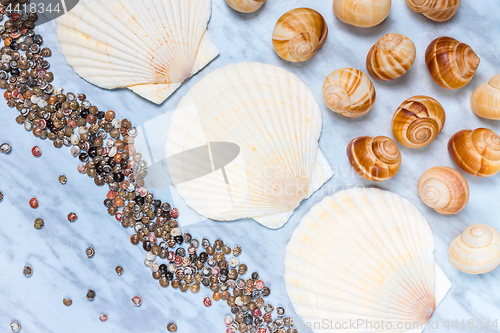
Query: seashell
x=374, y=158
x=418, y=121
x=390, y=57
x=349, y=92
x=245, y=6
x=476, y=151
x=444, y=189
x=299, y=33
x=436, y=10
x=485, y=101
x=362, y=13
x=363, y=254
x=451, y=64
x=148, y=48
x=261, y=126
x=476, y=250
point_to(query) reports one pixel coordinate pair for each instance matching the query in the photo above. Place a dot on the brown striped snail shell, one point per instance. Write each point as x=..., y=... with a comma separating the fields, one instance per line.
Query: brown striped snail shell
x=390, y=57
x=436, y=10
x=362, y=13
x=374, y=158
x=444, y=189
x=245, y=6
x=477, y=152
x=418, y=121
x=299, y=33
x=485, y=101
x=349, y=92
x=451, y=64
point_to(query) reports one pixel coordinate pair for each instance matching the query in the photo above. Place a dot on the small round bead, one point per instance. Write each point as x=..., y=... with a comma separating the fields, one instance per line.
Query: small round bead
x=90, y=295
x=67, y=301
x=207, y=302
x=27, y=271
x=36, y=151
x=72, y=217
x=15, y=326
x=63, y=179
x=39, y=223
x=89, y=252
x=171, y=327
x=33, y=203
x=174, y=212
x=103, y=317
x=137, y=300
x=237, y=251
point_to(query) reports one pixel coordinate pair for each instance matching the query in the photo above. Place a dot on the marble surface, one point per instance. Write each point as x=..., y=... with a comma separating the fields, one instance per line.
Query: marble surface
x=57, y=252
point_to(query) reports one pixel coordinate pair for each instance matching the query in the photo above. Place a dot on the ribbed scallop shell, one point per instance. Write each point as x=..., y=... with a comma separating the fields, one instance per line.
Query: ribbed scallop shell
x=245, y=6
x=150, y=47
x=476, y=151
x=362, y=13
x=451, y=64
x=485, y=101
x=363, y=254
x=390, y=57
x=436, y=10
x=374, y=158
x=299, y=33
x=444, y=189
x=349, y=92
x=476, y=250
x=418, y=121
x=276, y=122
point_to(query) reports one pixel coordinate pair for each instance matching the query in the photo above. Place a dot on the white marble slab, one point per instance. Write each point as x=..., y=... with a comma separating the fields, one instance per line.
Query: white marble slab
x=56, y=252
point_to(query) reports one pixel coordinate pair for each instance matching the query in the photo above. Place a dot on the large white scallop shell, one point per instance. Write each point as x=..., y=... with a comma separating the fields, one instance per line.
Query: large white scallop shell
x=274, y=119
x=363, y=254
x=150, y=47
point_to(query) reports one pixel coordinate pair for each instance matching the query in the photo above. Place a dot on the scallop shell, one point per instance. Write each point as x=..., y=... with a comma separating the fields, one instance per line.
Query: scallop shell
x=476, y=250
x=485, y=101
x=275, y=122
x=150, y=47
x=349, y=92
x=391, y=57
x=362, y=13
x=444, y=189
x=436, y=10
x=363, y=254
x=245, y=6
x=299, y=33
x=374, y=158
x=477, y=152
x=418, y=121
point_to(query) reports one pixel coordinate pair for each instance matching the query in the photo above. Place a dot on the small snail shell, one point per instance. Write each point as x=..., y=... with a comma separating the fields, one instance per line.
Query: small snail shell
x=451, y=64
x=418, y=121
x=485, y=101
x=476, y=152
x=245, y=6
x=390, y=57
x=349, y=92
x=362, y=13
x=299, y=33
x=436, y=10
x=374, y=158
x=444, y=189
x=476, y=250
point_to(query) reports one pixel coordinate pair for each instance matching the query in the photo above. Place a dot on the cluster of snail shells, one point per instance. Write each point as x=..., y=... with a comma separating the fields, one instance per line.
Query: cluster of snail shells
x=245, y=6
x=477, y=152
x=374, y=158
x=476, y=250
x=391, y=57
x=451, y=64
x=436, y=10
x=362, y=13
x=485, y=101
x=349, y=92
x=299, y=33
x=418, y=121
x=444, y=189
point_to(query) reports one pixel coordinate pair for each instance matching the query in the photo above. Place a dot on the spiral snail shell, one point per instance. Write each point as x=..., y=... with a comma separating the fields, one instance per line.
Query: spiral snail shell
x=476, y=250
x=451, y=64
x=485, y=101
x=374, y=158
x=444, y=189
x=391, y=56
x=418, y=121
x=436, y=10
x=476, y=151
x=349, y=92
x=245, y=6
x=299, y=33
x=362, y=13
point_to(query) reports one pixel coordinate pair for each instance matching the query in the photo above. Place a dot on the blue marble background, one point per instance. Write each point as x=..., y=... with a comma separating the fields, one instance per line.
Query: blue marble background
x=57, y=252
